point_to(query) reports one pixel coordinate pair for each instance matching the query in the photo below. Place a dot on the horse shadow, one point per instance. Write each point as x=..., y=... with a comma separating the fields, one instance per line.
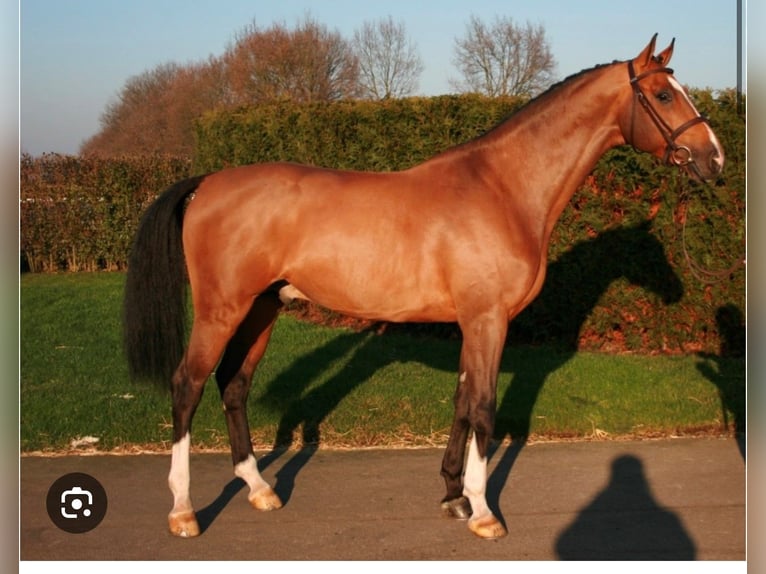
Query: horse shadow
x=624, y=522
x=553, y=323
x=207, y=515
x=632, y=253
x=556, y=317
x=727, y=371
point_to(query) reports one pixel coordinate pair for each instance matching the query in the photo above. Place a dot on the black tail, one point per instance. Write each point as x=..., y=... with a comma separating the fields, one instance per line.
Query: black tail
x=154, y=306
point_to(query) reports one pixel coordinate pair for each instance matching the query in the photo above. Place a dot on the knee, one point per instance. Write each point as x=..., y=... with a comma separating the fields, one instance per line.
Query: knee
x=482, y=419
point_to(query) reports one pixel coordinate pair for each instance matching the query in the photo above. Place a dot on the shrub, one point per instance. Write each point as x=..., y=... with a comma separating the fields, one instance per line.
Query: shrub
x=619, y=276
x=80, y=213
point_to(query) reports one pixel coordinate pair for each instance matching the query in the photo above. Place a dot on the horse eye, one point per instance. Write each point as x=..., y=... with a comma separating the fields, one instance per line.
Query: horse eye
x=664, y=97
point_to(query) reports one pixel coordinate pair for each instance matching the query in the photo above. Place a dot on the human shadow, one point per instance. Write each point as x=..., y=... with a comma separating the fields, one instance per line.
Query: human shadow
x=625, y=522
x=727, y=371
x=632, y=253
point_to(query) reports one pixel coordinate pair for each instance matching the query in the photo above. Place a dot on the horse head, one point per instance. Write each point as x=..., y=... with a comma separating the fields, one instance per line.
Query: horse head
x=661, y=119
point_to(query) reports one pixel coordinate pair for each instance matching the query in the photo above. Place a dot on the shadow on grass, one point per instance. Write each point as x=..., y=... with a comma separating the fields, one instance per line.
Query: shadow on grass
x=727, y=372
x=632, y=253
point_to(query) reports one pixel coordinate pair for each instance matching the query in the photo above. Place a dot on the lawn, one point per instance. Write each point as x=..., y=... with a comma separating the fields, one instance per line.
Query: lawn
x=342, y=387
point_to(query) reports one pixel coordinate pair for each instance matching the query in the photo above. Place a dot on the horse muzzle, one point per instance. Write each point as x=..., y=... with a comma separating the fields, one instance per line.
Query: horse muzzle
x=710, y=166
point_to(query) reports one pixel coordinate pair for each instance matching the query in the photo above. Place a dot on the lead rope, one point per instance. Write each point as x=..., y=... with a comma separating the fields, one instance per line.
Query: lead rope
x=703, y=274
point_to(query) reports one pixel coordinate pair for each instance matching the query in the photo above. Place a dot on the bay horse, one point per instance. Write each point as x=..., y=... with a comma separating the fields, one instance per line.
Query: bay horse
x=462, y=237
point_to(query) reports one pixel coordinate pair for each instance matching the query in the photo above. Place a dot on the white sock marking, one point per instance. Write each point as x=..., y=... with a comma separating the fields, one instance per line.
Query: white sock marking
x=247, y=470
x=179, y=478
x=475, y=481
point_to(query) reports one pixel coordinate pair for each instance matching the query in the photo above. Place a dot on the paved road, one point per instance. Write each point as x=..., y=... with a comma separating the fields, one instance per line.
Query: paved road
x=657, y=500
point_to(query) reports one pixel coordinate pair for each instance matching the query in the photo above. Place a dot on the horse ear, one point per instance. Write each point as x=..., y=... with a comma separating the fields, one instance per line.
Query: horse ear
x=664, y=57
x=645, y=57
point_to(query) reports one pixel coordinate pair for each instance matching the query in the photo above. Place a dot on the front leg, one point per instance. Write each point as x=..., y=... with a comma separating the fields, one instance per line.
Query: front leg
x=454, y=504
x=475, y=403
x=482, y=522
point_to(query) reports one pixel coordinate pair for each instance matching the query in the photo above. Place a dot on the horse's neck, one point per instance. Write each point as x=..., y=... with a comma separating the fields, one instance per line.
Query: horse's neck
x=545, y=152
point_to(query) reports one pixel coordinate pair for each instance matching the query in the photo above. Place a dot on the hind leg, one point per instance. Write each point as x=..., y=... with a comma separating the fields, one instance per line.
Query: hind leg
x=206, y=344
x=187, y=386
x=234, y=377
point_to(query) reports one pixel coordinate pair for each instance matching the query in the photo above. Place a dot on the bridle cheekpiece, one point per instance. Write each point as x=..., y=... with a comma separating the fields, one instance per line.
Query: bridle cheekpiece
x=675, y=154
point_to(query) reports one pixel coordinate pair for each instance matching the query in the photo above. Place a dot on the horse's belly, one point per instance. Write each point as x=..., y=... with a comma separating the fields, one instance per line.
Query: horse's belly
x=376, y=297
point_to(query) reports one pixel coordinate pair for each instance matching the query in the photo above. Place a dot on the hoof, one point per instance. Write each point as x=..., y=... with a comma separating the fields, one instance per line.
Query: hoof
x=457, y=508
x=183, y=524
x=487, y=527
x=265, y=499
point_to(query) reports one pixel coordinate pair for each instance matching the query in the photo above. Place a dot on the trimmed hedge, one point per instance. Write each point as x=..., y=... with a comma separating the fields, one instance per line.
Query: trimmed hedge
x=80, y=213
x=618, y=278
x=618, y=250
x=360, y=135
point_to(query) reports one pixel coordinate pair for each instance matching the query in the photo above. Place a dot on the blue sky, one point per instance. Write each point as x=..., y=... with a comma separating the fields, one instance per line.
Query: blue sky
x=75, y=55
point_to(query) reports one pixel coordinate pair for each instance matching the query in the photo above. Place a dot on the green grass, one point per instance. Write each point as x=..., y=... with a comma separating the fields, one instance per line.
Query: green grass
x=342, y=387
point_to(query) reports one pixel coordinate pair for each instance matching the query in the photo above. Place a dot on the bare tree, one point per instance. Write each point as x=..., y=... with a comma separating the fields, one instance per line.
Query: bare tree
x=307, y=63
x=503, y=59
x=389, y=64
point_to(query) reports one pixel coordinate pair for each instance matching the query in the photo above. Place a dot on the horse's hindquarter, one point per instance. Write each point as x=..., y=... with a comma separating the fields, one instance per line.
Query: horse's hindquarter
x=388, y=246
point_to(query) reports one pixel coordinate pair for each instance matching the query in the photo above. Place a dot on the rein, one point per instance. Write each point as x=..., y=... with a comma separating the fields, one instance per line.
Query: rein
x=675, y=154
x=702, y=274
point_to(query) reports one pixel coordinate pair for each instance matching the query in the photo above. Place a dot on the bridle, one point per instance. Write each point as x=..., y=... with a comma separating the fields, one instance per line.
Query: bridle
x=675, y=154
x=680, y=156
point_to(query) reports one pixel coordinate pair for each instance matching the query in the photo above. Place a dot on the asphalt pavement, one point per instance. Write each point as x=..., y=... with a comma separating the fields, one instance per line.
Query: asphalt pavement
x=670, y=499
